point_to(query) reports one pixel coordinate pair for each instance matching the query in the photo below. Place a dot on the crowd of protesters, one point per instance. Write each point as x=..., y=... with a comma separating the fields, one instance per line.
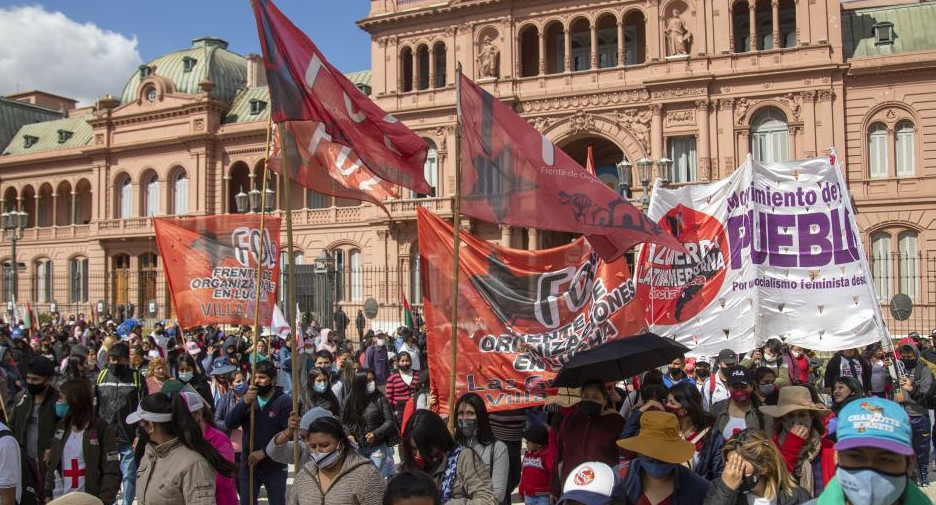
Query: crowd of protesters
x=166, y=416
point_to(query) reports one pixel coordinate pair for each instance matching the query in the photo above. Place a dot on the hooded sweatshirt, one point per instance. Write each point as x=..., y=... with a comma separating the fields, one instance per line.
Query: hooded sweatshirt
x=922, y=380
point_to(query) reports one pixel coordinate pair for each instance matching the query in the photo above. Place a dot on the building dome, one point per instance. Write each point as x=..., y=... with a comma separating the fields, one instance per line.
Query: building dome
x=208, y=57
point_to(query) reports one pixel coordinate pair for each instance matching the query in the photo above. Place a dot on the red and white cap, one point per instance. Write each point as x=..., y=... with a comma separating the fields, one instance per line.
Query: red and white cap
x=590, y=483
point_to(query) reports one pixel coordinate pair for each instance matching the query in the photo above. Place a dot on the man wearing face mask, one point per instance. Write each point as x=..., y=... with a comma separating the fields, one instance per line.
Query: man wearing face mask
x=587, y=433
x=715, y=389
x=377, y=359
x=914, y=385
x=33, y=417
x=658, y=474
x=874, y=452
x=675, y=374
x=118, y=390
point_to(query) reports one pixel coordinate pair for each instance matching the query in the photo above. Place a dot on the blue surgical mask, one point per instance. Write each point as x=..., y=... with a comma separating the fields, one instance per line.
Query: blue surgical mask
x=186, y=376
x=868, y=486
x=241, y=389
x=320, y=387
x=61, y=409
x=655, y=468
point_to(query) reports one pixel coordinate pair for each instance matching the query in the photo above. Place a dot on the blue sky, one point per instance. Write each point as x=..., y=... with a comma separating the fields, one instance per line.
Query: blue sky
x=86, y=48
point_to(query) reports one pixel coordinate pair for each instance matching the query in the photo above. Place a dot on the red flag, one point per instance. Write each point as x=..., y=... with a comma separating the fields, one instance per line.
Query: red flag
x=211, y=267
x=590, y=163
x=331, y=129
x=521, y=314
x=511, y=172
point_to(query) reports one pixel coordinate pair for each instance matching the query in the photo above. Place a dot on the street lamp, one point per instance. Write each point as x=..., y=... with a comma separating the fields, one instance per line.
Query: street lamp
x=15, y=223
x=242, y=201
x=255, y=200
x=665, y=164
x=268, y=203
x=251, y=202
x=644, y=168
x=625, y=177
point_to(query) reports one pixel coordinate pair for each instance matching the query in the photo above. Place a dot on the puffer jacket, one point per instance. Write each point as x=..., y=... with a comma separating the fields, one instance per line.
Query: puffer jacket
x=378, y=419
x=102, y=461
x=173, y=474
x=358, y=483
x=117, y=398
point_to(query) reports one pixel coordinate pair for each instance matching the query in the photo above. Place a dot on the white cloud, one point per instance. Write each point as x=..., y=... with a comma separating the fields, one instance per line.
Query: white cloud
x=50, y=52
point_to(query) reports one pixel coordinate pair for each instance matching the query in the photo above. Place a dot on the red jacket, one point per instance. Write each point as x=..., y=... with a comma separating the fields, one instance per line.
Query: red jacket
x=582, y=439
x=537, y=467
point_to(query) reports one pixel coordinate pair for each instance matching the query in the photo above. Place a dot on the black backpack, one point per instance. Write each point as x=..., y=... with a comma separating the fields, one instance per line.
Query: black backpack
x=29, y=477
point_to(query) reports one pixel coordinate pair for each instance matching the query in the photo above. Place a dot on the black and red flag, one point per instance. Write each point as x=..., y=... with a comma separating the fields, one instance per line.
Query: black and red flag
x=511, y=172
x=337, y=141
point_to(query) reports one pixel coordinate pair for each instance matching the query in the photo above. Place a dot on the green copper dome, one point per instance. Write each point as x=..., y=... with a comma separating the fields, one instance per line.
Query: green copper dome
x=208, y=57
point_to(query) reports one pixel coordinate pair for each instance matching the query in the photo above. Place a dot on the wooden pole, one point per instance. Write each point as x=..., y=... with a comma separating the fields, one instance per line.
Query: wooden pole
x=291, y=290
x=256, y=336
x=456, y=221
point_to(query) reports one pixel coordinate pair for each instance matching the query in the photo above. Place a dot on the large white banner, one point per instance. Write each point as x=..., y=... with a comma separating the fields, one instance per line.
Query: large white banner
x=773, y=251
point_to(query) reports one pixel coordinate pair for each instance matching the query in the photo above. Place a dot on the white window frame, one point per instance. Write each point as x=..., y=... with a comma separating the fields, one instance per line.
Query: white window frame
x=682, y=150
x=905, y=149
x=877, y=151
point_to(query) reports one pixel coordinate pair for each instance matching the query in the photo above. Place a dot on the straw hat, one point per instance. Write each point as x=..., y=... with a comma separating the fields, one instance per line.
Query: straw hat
x=659, y=438
x=77, y=498
x=791, y=399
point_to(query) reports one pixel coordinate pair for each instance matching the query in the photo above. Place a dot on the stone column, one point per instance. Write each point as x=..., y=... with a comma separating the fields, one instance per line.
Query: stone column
x=594, y=46
x=620, y=46
x=399, y=82
x=74, y=208
x=809, y=120
x=55, y=208
x=656, y=132
x=415, y=69
x=775, y=12
x=752, y=20
x=505, y=235
x=702, y=146
x=225, y=187
x=567, y=59
x=36, y=218
x=533, y=236
x=432, y=74
x=542, y=53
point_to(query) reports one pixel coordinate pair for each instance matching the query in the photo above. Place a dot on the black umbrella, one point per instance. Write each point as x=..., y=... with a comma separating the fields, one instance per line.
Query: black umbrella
x=619, y=359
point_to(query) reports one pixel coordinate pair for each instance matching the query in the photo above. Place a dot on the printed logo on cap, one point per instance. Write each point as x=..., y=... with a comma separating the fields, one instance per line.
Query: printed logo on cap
x=585, y=476
x=683, y=284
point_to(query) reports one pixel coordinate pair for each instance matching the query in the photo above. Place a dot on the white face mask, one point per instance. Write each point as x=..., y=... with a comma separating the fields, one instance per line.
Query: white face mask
x=381, y=342
x=371, y=387
x=866, y=486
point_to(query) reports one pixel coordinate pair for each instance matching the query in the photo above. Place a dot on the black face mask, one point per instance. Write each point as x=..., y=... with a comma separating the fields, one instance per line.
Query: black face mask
x=702, y=374
x=590, y=408
x=910, y=363
x=36, y=389
x=675, y=371
x=265, y=389
x=748, y=482
x=119, y=368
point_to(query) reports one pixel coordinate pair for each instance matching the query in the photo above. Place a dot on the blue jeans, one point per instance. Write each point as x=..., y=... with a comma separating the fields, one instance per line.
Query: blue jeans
x=382, y=456
x=274, y=480
x=920, y=428
x=542, y=499
x=128, y=469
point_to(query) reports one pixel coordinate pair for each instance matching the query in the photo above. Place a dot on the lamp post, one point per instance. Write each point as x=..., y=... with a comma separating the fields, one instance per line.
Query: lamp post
x=251, y=202
x=625, y=177
x=14, y=222
x=644, y=167
x=665, y=165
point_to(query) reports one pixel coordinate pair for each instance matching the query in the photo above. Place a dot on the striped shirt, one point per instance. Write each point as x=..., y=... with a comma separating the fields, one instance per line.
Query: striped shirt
x=508, y=425
x=398, y=391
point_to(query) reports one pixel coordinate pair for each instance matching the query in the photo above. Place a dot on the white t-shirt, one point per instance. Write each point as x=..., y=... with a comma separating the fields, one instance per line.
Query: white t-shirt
x=10, y=463
x=755, y=500
x=734, y=425
x=72, y=475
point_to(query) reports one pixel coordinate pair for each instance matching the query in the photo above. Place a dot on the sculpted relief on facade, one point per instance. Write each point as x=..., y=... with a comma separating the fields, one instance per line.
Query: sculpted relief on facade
x=678, y=36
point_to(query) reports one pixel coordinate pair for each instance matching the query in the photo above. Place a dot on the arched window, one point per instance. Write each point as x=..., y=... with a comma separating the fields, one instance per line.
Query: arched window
x=180, y=193
x=78, y=280
x=877, y=151
x=431, y=169
x=580, y=34
x=422, y=60
x=635, y=38
x=124, y=198
x=882, y=270
x=607, y=41
x=741, y=24
x=905, y=149
x=121, y=279
x=357, y=276
x=406, y=69
x=43, y=285
x=338, y=257
x=151, y=184
x=907, y=264
x=147, y=276
x=439, y=53
x=770, y=137
x=529, y=51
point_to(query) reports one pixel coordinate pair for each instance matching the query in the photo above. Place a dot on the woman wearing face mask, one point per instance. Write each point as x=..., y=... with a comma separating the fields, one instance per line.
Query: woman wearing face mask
x=157, y=374
x=776, y=357
x=369, y=421
x=737, y=413
x=882, y=384
x=765, y=387
x=179, y=465
x=587, y=433
x=755, y=474
x=473, y=430
x=658, y=474
x=226, y=490
x=798, y=433
x=401, y=384
x=319, y=392
x=336, y=474
x=696, y=427
x=187, y=372
x=83, y=447
x=238, y=389
x=844, y=391
x=459, y=473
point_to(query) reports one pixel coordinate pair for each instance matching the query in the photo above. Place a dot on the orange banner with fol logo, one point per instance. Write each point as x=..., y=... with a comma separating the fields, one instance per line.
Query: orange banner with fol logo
x=211, y=264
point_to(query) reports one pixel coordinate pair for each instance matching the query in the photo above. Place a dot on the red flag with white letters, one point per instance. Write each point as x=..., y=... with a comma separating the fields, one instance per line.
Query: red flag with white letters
x=335, y=139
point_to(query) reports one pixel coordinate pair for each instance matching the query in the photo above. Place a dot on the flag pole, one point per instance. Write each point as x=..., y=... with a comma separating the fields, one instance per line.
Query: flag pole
x=456, y=221
x=291, y=291
x=256, y=336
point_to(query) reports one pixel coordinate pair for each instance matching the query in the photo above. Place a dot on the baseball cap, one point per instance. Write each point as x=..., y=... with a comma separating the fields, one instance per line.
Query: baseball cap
x=590, y=483
x=192, y=348
x=727, y=356
x=193, y=400
x=41, y=366
x=738, y=374
x=874, y=422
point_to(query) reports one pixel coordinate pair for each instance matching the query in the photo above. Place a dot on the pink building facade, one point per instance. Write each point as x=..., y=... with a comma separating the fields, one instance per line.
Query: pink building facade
x=702, y=84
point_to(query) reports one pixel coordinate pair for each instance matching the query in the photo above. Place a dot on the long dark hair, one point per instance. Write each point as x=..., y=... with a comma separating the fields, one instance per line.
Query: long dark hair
x=331, y=426
x=356, y=402
x=428, y=432
x=689, y=397
x=184, y=427
x=197, y=374
x=80, y=400
x=484, y=434
x=312, y=397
